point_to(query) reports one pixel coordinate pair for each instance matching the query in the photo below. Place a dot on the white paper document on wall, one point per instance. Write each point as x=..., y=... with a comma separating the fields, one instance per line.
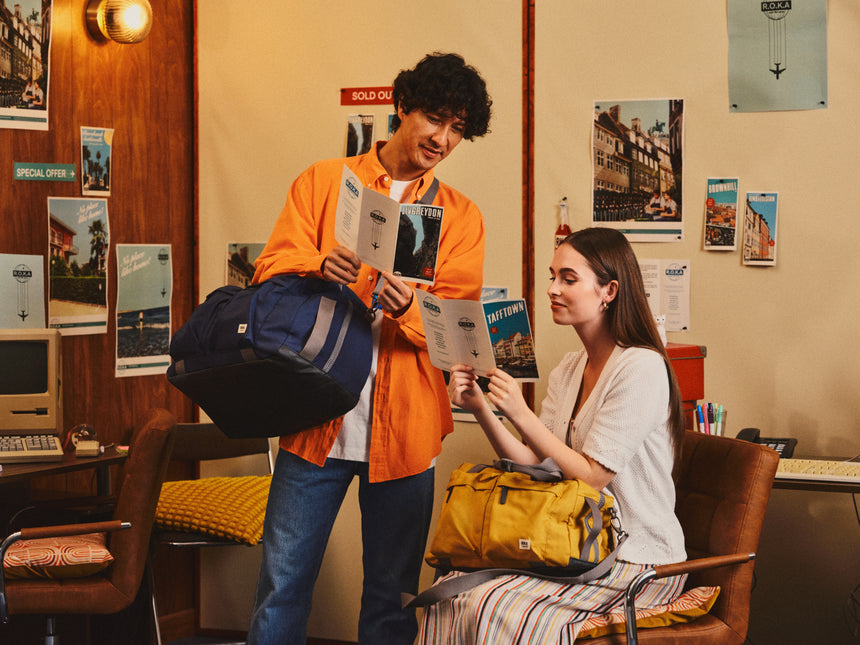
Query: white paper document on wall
x=667, y=286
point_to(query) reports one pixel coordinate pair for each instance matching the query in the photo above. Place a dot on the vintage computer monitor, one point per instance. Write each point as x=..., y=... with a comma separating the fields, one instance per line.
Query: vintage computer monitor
x=31, y=397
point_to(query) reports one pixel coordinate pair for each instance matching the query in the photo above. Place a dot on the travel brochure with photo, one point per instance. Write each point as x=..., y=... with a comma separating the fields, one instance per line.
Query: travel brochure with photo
x=388, y=235
x=485, y=335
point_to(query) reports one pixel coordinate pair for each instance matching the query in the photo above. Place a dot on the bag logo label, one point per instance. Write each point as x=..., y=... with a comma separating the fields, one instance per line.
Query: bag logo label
x=242, y=328
x=525, y=544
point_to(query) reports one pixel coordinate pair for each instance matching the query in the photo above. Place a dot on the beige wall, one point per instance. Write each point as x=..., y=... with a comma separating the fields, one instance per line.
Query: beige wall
x=782, y=349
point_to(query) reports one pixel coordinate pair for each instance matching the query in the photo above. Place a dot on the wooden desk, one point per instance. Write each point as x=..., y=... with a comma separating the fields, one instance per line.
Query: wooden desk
x=12, y=473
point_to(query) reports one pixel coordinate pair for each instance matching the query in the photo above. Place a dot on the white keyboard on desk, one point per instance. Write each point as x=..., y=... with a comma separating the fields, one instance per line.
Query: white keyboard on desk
x=821, y=470
x=30, y=448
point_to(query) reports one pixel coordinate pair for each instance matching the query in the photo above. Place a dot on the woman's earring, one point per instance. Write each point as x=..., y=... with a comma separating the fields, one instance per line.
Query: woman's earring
x=604, y=306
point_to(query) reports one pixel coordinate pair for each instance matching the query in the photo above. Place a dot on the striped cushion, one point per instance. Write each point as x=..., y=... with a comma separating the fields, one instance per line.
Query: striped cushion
x=227, y=507
x=686, y=607
x=75, y=556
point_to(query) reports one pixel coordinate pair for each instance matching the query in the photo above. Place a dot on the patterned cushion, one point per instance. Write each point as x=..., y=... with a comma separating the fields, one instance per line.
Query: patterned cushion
x=688, y=606
x=76, y=556
x=227, y=507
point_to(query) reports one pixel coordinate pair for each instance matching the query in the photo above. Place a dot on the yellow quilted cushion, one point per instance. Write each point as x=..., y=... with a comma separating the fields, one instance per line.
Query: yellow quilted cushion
x=686, y=607
x=75, y=556
x=228, y=507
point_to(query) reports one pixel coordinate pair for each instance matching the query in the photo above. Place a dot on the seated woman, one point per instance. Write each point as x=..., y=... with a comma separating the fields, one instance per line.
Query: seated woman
x=612, y=417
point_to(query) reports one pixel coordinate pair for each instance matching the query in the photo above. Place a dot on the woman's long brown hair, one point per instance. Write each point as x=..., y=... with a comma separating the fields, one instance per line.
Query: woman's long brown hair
x=631, y=322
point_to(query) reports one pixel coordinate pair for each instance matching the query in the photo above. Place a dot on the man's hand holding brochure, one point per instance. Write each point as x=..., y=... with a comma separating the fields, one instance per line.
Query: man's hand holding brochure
x=485, y=335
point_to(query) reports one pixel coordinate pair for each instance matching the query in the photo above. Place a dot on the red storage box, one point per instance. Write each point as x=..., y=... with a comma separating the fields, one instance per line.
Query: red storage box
x=688, y=361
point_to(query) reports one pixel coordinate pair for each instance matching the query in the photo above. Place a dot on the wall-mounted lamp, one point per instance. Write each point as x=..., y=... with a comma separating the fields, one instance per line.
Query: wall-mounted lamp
x=123, y=21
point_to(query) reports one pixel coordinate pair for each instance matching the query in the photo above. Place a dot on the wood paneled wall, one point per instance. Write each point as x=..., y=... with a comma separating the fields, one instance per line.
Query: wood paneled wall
x=145, y=93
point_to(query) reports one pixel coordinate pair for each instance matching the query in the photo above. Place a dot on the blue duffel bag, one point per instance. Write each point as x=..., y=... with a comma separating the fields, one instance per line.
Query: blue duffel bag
x=274, y=358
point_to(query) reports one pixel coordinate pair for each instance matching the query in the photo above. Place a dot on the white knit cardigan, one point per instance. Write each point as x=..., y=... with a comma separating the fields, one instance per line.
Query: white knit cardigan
x=623, y=425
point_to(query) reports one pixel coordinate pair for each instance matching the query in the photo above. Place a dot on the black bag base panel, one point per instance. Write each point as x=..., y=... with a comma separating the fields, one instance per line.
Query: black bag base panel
x=266, y=397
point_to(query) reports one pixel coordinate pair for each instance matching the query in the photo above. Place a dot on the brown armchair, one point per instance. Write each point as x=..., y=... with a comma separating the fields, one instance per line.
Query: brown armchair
x=115, y=587
x=723, y=487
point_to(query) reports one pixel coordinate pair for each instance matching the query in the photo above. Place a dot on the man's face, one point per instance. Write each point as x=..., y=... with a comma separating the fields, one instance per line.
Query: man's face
x=428, y=137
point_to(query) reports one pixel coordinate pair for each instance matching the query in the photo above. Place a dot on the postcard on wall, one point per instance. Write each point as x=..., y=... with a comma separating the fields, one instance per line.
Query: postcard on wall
x=143, y=292
x=388, y=235
x=22, y=291
x=721, y=214
x=760, y=216
x=485, y=335
x=493, y=293
x=240, y=262
x=777, y=55
x=637, y=166
x=95, y=161
x=359, y=134
x=667, y=287
x=79, y=242
x=26, y=46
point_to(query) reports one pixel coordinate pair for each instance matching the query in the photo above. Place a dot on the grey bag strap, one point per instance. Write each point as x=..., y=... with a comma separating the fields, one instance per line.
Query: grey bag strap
x=430, y=195
x=453, y=586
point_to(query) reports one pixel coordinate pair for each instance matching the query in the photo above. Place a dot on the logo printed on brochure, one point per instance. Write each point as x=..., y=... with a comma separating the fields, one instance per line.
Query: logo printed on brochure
x=351, y=187
x=432, y=308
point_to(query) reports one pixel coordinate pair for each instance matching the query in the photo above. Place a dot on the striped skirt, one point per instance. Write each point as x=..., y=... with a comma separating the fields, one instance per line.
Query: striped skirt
x=520, y=610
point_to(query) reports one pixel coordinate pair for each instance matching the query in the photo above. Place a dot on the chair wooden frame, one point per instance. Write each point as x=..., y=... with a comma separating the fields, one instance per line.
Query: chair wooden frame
x=722, y=487
x=116, y=587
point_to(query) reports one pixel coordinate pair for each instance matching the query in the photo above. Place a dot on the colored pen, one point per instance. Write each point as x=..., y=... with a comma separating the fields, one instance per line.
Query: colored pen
x=720, y=420
x=712, y=426
x=700, y=418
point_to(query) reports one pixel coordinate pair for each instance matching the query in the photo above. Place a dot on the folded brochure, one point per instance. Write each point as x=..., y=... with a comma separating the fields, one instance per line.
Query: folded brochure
x=388, y=235
x=484, y=335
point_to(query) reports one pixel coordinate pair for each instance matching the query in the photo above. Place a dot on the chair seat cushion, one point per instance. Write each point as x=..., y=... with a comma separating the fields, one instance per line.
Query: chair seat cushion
x=228, y=507
x=75, y=556
x=688, y=606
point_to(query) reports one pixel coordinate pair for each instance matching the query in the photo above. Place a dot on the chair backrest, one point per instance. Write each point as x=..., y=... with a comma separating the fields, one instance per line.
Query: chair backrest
x=204, y=441
x=723, y=486
x=142, y=476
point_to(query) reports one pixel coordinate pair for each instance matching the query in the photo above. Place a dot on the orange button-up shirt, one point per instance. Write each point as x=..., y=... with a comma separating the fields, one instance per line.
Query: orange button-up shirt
x=411, y=410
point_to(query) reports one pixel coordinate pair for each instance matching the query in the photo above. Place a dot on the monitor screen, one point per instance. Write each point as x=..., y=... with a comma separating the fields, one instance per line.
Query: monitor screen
x=31, y=397
x=25, y=367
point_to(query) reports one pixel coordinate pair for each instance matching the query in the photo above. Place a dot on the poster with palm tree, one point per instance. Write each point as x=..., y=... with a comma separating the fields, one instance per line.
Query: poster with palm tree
x=78, y=245
x=95, y=161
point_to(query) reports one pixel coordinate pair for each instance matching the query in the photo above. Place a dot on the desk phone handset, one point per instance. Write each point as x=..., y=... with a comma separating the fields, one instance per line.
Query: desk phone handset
x=785, y=447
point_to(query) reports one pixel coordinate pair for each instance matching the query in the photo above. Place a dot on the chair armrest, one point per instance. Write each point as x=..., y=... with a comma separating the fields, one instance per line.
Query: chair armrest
x=35, y=533
x=665, y=571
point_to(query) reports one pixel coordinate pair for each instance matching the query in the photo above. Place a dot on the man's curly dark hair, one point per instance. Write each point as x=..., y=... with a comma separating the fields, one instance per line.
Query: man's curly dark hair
x=445, y=84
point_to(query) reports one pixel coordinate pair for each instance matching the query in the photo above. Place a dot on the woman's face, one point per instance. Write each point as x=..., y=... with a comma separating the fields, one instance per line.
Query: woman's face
x=575, y=296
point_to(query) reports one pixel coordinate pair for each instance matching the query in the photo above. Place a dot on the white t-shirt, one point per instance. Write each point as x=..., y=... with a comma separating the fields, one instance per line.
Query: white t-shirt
x=353, y=440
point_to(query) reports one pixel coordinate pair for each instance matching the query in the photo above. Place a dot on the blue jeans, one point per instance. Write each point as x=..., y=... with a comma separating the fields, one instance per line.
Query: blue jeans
x=304, y=500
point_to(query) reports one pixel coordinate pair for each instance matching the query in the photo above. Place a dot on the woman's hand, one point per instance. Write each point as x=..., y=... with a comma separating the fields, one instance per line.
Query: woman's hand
x=463, y=389
x=506, y=395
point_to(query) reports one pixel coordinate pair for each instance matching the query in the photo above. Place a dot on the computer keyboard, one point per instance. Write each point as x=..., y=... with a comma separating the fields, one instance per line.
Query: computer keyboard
x=823, y=470
x=30, y=448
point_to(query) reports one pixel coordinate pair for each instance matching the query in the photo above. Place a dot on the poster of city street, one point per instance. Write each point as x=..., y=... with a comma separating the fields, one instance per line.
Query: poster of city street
x=25, y=40
x=637, y=163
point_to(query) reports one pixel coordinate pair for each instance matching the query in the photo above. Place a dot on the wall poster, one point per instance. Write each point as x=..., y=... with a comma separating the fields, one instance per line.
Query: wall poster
x=25, y=42
x=637, y=168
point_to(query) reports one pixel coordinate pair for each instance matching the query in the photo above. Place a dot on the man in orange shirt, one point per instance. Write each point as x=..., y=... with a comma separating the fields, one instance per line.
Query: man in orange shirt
x=392, y=437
